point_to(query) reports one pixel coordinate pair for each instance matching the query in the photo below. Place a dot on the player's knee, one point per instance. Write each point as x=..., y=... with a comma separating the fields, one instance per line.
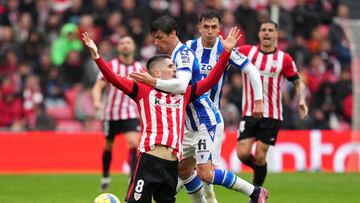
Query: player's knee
x=133, y=143
x=109, y=145
x=132, y=139
x=242, y=154
x=185, y=171
x=205, y=175
x=260, y=159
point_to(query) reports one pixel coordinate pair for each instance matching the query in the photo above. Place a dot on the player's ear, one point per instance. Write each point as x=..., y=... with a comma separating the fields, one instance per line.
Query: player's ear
x=173, y=33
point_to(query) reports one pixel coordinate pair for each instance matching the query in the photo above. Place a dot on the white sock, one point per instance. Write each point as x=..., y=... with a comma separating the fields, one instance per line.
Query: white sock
x=105, y=180
x=194, y=188
x=209, y=190
x=243, y=186
x=179, y=185
x=198, y=197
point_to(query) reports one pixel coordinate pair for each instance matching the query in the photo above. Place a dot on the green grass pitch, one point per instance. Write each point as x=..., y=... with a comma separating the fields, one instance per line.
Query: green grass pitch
x=83, y=188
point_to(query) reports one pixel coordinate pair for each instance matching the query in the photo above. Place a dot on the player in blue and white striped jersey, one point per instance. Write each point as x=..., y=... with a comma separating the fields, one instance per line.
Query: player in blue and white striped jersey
x=202, y=142
x=207, y=49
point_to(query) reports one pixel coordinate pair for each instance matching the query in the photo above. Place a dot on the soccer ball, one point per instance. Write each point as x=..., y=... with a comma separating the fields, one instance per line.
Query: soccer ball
x=106, y=198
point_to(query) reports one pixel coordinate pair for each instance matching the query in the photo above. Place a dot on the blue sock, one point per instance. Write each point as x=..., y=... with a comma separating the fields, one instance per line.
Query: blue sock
x=224, y=178
x=193, y=184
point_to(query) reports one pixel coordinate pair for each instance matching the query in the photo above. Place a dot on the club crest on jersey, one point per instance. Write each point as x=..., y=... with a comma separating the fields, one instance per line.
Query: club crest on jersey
x=273, y=67
x=137, y=196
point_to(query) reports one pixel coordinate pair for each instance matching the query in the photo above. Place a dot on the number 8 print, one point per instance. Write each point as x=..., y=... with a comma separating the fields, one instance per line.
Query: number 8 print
x=139, y=186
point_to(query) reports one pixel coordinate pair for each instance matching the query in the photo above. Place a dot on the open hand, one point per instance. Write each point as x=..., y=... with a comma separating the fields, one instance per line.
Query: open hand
x=91, y=45
x=231, y=41
x=143, y=77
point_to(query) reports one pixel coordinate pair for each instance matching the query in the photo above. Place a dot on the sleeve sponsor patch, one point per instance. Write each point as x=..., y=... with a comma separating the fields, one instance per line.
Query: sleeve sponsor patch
x=185, y=59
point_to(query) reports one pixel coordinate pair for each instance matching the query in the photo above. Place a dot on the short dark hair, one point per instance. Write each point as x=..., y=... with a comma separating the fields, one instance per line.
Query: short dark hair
x=153, y=60
x=210, y=14
x=165, y=24
x=271, y=22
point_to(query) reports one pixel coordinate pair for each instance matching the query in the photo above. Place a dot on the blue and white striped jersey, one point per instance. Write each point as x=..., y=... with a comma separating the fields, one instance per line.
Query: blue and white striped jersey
x=202, y=110
x=208, y=58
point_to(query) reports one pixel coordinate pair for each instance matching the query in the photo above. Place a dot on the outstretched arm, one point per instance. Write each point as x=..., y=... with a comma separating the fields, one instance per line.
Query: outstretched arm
x=176, y=85
x=122, y=83
x=215, y=74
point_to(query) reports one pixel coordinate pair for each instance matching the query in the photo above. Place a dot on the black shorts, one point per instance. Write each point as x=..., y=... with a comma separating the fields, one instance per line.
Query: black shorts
x=112, y=128
x=153, y=177
x=265, y=129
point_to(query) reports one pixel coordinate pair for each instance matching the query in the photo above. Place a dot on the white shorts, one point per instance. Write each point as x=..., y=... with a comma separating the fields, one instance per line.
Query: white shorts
x=204, y=144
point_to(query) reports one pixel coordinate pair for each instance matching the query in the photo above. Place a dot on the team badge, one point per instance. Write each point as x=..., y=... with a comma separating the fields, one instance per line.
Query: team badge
x=137, y=196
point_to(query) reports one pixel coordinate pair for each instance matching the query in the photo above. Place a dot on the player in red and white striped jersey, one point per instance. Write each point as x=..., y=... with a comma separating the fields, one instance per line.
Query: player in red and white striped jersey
x=162, y=124
x=274, y=65
x=120, y=113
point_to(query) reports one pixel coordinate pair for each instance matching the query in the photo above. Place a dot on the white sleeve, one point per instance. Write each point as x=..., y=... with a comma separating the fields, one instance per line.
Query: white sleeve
x=177, y=85
x=238, y=60
x=184, y=61
x=255, y=80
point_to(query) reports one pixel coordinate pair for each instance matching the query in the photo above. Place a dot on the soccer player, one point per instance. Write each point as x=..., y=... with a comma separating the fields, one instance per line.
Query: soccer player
x=273, y=65
x=207, y=49
x=202, y=118
x=162, y=123
x=120, y=114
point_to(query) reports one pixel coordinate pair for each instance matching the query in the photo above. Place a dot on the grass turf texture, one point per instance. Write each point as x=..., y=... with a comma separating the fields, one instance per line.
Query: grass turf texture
x=80, y=188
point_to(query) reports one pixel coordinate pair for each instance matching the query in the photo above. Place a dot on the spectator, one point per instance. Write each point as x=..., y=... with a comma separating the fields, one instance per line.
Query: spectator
x=236, y=90
x=41, y=14
x=188, y=20
x=12, y=13
x=33, y=46
x=54, y=94
x=33, y=98
x=300, y=52
x=74, y=12
x=100, y=12
x=11, y=109
x=72, y=69
x=23, y=28
x=7, y=41
x=10, y=63
x=67, y=41
x=113, y=21
x=342, y=89
x=338, y=38
x=304, y=18
x=248, y=20
x=87, y=25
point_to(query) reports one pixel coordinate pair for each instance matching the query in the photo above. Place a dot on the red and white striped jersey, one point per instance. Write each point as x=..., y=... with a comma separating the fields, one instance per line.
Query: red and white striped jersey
x=119, y=106
x=162, y=118
x=162, y=114
x=273, y=67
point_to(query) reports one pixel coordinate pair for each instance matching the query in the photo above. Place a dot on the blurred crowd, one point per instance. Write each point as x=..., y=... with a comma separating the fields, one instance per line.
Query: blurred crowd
x=46, y=74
